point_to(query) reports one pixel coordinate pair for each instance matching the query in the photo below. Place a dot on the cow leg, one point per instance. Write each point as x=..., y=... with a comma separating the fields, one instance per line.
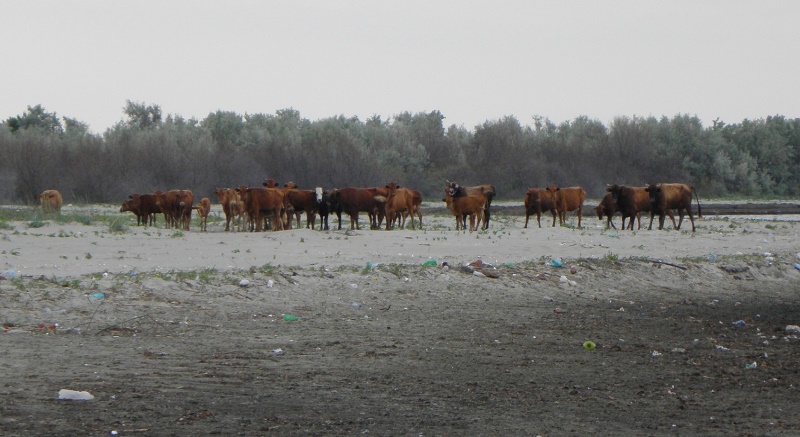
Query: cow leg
x=691, y=218
x=652, y=214
x=527, y=216
x=680, y=221
x=580, y=213
x=661, y=221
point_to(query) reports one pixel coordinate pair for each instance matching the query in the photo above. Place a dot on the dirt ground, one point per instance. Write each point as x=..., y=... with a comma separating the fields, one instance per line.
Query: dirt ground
x=185, y=333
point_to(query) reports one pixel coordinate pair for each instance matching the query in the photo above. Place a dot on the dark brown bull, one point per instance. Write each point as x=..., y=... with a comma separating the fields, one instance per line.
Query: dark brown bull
x=487, y=190
x=664, y=197
x=537, y=201
x=302, y=201
x=143, y=206
x=568, y=199
x=355, y=200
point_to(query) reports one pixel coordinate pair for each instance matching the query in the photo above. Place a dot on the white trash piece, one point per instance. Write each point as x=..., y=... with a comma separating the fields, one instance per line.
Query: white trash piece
x=270, y=283
x=72, y=395
x=244, y=283
x=794, y=329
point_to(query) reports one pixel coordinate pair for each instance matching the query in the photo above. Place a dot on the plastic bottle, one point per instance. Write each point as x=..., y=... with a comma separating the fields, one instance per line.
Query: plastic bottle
x=289, y=318
x=557, y=263
x=429, y=263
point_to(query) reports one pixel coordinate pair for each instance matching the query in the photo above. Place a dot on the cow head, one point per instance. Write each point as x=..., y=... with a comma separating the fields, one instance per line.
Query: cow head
x=290, y=185
x=320, y=193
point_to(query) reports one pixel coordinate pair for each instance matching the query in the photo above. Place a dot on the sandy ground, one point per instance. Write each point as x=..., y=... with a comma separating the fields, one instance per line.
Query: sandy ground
x=158, y=326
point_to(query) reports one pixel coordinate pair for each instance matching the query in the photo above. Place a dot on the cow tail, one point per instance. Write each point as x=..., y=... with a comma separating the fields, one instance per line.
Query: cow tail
x=699, y=211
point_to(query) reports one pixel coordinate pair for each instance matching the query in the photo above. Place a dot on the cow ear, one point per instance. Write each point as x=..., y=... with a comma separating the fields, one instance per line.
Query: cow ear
x=398, y=186
x=608, y=189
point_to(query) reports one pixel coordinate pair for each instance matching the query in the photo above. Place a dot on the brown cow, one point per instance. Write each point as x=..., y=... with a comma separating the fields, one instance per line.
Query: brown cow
x=399, y=201
x=473, y=206
x=537, y=201
x=664, y=197
x=261, y=203
x=632, y=202
x=232, y=207
x=302, y=201
x=203, y=209
x=606, y=209
x=487, y=190
x=176, y=206
x=51, y=201
x=355, y=200
x=143, y=206
x=568, y=199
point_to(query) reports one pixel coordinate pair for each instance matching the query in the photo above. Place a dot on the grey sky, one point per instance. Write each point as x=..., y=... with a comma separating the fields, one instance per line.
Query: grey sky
x=473, y=61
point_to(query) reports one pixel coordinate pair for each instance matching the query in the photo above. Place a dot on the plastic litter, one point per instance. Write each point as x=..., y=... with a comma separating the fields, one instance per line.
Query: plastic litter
x=752, y=365
x=8, y=274
x=73, y=395
x=573, y=270
x=270, y=283
x=289, y=318
x=430, y=263
x=589, y=345
x=712, y=257
x=739, y=323
x=355, y=304
x=656, y=354
x=795, y=329
x=557, y=263
x=98, y=296
x=244, y=283
x=478, y=274
x=797, y=266
x=277, y=351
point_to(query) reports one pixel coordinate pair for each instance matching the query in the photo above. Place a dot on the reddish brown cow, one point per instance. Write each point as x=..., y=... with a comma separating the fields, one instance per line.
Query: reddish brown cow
x=398, y=201
x=631, y=203
x=568, y=199
x=51, y=201
x=473, y=206
x=261, y=203
x=302, y=201
x=606, y=209
x=203, y=209
x=537, y=201
x=664, y=197
x=143, y=206
x=487, y=190
x=176, y=206
x=354, y=200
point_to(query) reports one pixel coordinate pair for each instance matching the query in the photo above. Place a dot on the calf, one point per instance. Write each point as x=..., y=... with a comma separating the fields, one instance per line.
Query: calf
x=473, y=206
x=664, y=197
x=606, y=209
x=51, y=201
x=537, y=201
x=487, y=190
x=203, y=209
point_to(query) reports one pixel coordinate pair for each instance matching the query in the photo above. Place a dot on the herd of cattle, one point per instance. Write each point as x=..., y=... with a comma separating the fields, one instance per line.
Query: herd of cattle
x=272, y=207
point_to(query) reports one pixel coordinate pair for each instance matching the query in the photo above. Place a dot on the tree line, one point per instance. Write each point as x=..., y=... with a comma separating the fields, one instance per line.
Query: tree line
x=149, y=151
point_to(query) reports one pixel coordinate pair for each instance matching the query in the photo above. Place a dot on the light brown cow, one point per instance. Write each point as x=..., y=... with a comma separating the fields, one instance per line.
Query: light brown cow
x=399, y=201
x=203, y=209
x=473, y=206
x=51, y=201
x=664, y=197
x=487, y=190
x=537, y=201
x=232, y=207
x=568, y=199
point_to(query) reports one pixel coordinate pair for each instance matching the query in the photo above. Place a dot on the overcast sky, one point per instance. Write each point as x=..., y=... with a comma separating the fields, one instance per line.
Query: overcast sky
x=473, y=61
